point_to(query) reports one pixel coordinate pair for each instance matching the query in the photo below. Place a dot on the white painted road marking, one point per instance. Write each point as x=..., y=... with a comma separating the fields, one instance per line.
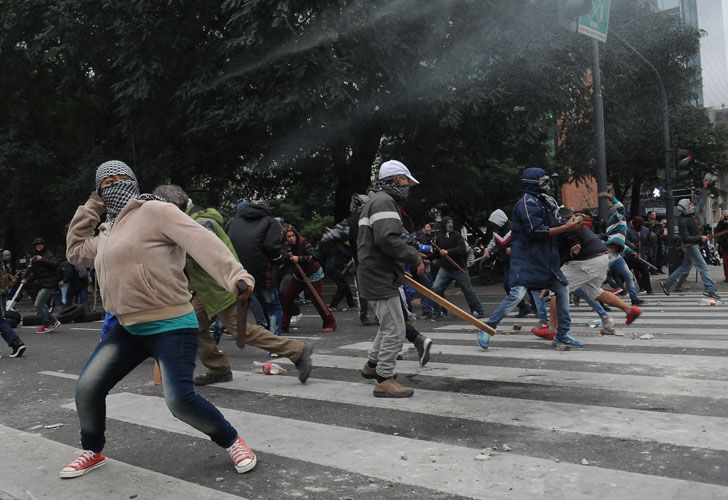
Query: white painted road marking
x=437, y=466
x=30, y=465
x=662, y=385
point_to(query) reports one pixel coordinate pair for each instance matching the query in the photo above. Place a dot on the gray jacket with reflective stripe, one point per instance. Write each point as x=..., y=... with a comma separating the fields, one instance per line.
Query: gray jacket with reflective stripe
x=381, y=249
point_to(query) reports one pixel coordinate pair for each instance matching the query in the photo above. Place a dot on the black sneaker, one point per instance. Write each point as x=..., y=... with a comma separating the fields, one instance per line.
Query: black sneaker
x=304, y=363
x=665, y=288
x=524, y=311
x=423, y=345
x=638, y=302
x=712, y=295
x=18, y=350
x=208, y=378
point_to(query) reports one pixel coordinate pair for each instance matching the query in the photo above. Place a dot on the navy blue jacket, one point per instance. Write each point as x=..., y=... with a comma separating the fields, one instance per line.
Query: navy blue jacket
x=534, y=254
x=591, y=245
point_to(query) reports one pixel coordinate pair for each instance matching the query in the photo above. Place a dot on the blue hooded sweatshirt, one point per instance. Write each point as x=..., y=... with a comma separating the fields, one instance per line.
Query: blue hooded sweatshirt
x=534, y=254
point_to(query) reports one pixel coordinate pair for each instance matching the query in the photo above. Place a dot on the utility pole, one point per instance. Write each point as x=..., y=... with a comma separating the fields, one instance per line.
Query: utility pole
x=601, y=147
x=591, y=18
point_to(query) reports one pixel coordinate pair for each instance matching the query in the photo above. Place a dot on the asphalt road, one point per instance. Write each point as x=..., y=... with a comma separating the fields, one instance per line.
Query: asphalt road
x=624, y=418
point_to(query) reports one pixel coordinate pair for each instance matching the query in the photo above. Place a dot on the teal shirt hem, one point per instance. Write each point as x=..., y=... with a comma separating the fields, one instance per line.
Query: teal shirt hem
x=188, y=320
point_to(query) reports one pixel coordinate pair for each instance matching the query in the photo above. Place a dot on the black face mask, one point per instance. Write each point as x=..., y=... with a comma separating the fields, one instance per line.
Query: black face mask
x=399, y=193
x=545, y=185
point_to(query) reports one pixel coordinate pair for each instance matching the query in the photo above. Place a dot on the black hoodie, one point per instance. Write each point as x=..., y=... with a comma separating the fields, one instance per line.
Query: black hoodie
x=258, y=240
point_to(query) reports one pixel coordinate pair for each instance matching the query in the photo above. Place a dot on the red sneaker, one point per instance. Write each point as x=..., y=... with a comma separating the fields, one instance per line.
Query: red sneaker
x=243, y=457
x=86, y=462
x=329, y=329
x=42, y=329
x=633, y=314
x=544, y=333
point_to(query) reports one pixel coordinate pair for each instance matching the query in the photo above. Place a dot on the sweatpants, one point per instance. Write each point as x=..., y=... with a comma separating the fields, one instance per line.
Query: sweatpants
x=390, y=336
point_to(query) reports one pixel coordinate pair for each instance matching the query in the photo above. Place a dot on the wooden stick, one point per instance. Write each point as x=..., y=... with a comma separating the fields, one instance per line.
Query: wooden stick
x=156, y=374
x=241, y=309
x=449, y=259
x=448, y=305
x=311, y=289
x=711, y=237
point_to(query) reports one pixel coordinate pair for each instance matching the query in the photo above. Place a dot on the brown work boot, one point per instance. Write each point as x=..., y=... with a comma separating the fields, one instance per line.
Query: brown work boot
x=368, y=372
x=390, y=388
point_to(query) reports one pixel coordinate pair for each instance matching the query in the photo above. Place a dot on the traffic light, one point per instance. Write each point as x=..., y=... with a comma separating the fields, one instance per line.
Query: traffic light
x=684, y=159
x=571, y=10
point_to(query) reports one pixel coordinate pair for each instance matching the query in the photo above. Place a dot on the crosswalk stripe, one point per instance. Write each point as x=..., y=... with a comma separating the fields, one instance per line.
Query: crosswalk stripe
x=60, y=375
x=576, y=329
x=437, y=466
x=640, y=384
x=646, y=320
x=678, y=361
x=619, y=423
x=627, y=340
x=31, y=463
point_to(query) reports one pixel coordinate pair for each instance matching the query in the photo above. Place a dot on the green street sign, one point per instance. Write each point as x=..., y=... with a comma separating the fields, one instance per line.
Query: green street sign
x=596, y=24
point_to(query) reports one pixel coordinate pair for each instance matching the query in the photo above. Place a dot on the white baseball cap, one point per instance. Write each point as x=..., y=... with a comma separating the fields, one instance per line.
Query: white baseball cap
x=392, y=168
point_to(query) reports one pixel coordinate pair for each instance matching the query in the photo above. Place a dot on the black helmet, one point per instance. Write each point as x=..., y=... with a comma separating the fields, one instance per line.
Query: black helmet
x=39, y=241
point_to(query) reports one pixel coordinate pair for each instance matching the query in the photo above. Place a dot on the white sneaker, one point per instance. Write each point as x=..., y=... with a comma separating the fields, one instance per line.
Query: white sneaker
x=607, y=326
x=243, y=457
x=295, y=319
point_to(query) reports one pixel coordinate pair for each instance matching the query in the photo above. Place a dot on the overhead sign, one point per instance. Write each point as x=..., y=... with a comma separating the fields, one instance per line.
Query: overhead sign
x=596, y=24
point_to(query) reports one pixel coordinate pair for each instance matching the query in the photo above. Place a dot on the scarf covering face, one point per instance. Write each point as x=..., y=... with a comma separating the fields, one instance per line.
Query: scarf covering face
x=399, y=193
x=118, y=194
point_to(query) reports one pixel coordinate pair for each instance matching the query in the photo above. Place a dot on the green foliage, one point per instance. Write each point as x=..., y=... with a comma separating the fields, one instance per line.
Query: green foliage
x=296, y=101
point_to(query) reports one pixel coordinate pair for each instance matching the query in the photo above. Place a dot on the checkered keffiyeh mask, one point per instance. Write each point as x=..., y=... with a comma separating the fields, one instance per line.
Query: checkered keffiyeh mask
x=118, y=194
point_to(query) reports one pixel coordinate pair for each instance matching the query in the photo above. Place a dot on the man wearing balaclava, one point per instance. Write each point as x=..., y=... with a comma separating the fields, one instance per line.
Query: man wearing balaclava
x=692, y=239
x=535, y=260
x=382, y=255
x=450, y=243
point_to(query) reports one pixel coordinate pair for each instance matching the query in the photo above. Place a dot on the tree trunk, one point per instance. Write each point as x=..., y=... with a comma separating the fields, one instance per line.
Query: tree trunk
x=354, y=175
x=634, y=206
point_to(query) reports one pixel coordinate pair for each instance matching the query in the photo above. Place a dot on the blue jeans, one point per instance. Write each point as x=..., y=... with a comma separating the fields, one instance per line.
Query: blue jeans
x=258, y=312
x=595, y=304
x=8, y=333
x=445, y=277
x=43, y=304
x=543, y=312
x=429, y=308
x=507, y=305
x=118, y=354
x=516, y=295
x=693, y=257
x=275, y=313
x=622, y=269
x=561, y=293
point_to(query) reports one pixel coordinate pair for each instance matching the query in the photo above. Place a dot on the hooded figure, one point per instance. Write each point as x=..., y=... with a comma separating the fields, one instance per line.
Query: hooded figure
x=498, y=218
x=257, y=239
x=535, y=257
x=685, y=207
